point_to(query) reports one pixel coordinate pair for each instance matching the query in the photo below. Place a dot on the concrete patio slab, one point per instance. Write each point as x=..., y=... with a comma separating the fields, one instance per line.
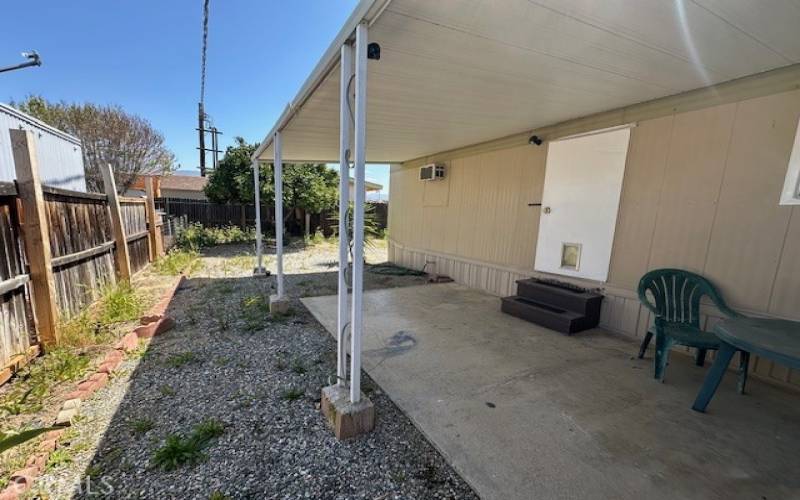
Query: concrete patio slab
x=526, y=413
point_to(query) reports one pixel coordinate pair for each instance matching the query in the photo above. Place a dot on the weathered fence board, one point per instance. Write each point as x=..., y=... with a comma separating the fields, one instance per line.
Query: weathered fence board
x=16, y=319
x=81, y=243
x=135, y=222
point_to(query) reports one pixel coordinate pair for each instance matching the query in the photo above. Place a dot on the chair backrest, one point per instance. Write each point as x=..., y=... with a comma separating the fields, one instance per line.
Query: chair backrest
x=677, y=295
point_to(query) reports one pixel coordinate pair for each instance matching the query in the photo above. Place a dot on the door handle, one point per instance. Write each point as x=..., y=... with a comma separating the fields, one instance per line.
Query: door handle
x=534, y=204
x=546, y=210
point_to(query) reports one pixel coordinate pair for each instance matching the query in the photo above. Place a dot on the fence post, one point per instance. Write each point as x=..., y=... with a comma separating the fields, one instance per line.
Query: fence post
x=156, y=247
x=36, y=235
x=121, y=255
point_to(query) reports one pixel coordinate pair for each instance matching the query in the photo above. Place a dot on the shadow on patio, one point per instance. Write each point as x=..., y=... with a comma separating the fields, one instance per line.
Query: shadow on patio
x=524, y=412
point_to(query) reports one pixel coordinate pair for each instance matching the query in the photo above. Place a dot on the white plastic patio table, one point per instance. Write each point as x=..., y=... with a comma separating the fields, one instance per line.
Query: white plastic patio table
x=774, y=339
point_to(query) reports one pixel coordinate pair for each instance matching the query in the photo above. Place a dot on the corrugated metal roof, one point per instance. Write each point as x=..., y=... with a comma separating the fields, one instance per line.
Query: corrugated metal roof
x=60, y=154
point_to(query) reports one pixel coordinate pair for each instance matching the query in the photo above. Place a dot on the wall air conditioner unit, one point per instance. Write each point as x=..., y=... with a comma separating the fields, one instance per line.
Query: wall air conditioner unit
x=431, y=172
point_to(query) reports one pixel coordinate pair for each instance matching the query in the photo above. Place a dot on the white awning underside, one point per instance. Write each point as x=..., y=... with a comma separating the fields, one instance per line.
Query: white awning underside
x=459, y=72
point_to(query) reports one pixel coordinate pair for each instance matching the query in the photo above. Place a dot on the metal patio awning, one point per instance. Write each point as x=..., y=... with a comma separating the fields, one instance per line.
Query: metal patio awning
x=460, y=72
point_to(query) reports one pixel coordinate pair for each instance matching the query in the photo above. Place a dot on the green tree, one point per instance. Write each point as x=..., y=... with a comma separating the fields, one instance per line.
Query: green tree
x=109, y=135
x=307, y=187
x=232, y=180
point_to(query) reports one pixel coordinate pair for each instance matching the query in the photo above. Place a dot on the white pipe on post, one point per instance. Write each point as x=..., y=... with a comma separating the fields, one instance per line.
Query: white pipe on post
x=356, y=323
x=259, y=253
x=344, y=201
x=278, y=211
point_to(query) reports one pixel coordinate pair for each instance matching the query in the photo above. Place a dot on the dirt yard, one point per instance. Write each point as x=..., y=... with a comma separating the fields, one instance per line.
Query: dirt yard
x=226, y=405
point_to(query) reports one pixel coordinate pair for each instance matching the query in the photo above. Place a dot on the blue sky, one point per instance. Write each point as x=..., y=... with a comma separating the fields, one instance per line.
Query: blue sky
x=145, y=56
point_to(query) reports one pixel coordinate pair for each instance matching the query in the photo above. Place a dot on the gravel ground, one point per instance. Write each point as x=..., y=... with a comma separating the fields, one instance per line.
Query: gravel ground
x=150, y=286
x=227, y=361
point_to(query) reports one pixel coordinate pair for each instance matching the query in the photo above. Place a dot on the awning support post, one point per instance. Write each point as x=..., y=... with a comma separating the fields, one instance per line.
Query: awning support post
x=279, y=211
x=259, y=270
x=278, y=304
x=356, y=323
x=344, y=202
x=348, y=413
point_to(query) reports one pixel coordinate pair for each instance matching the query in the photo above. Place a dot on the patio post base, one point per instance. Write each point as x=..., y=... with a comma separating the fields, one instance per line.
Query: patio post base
x=348, y=420
x=260, y=271
x=278, y=305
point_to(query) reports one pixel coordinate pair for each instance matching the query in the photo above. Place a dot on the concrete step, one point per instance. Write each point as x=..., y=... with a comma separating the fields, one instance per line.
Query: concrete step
x=580, y=301
x=554, y=318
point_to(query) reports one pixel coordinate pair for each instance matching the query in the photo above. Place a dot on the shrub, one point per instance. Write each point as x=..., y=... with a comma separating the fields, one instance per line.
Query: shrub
x=82, y=330
x=177, y=261
x=59, y=365
x=178, y=360
x=120, y=303
x=142, y=425
x=293, y=393
x=179, y=450
x=195, y=236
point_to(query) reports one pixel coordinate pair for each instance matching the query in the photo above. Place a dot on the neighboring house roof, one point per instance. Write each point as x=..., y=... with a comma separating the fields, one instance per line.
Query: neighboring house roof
x=172, y=183
x=371, y=186
x=184, y=182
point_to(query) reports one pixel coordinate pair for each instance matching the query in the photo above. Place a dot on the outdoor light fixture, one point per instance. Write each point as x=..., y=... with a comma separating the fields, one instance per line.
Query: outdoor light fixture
x=33, y=60
x=535, y=139
x=374, y=51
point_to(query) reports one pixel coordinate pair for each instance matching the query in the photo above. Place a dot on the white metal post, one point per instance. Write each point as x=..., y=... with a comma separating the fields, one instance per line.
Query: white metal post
x=278, y=211
x=356, y=323
x=344, y=201
x=259, y=253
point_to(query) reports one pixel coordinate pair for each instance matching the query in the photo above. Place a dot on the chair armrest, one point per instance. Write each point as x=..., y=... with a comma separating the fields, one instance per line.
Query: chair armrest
x=728, y=312
x=718, y=301
x=642, y=292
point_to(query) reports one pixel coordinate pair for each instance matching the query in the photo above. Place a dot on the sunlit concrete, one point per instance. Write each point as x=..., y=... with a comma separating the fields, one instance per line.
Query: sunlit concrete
x=523, y=412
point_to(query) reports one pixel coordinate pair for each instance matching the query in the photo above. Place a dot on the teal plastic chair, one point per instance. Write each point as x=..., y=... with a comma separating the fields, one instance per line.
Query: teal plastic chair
x=674, y=297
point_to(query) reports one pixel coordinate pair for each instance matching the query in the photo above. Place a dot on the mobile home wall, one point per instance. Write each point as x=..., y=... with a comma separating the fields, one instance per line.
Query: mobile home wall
x=700, y=192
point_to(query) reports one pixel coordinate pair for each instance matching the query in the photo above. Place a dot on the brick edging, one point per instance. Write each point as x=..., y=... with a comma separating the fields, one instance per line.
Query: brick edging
x=154, y=322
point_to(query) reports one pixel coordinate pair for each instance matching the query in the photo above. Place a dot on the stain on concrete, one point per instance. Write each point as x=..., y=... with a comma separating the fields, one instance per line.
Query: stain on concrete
x=398, y=344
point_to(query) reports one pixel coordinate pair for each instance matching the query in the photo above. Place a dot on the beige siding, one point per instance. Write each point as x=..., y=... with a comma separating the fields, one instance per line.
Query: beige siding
x=479, y=211
x=641, y=193
x=700, y=192
x=695, y=163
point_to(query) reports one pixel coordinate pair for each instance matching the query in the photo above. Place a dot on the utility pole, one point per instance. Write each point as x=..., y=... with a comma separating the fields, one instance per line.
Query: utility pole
x=201, y=127
x=205, y=127
x=214, y=149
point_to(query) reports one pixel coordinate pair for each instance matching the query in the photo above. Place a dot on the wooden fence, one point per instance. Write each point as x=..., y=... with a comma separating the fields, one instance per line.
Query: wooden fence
x=59, y=250
x=134, y=219
x=81, y=247
x=17, y=332
x=215, y=214
x=233, y=214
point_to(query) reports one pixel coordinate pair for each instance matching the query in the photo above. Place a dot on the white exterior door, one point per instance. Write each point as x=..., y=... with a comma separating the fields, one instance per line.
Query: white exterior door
x=582, y=186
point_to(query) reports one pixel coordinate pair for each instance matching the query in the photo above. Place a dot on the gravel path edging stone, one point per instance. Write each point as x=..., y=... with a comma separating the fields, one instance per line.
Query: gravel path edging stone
x=153, y=323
